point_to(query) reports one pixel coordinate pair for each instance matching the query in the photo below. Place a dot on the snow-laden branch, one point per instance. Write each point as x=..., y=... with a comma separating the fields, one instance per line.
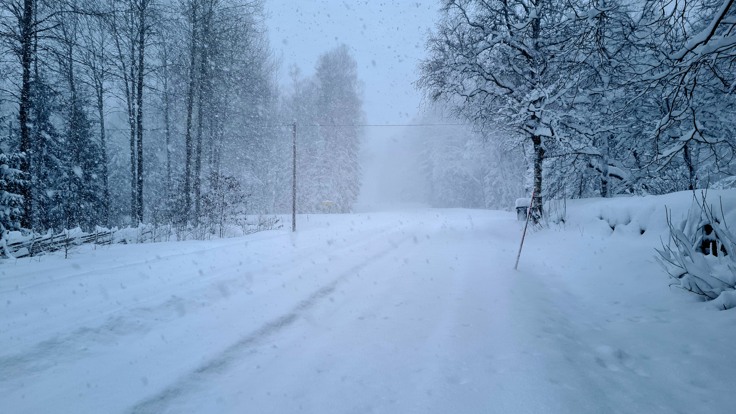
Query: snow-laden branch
x=704, y=37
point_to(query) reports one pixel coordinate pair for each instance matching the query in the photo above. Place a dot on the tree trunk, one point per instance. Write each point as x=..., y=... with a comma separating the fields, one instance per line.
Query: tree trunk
x=133, y=170
x=190, y=110
x=201, y=91
x=73, y=199
x=167, y=119
x=133, y=134
x=38, y=143
x=139, y=104
x=690, y=167
x=26, y=43
x=537, y=210
x=605, y=176
x=100, y=92
x=126, y=59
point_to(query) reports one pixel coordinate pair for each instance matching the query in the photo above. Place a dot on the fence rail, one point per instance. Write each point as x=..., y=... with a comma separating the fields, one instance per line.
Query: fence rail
x=17, y=245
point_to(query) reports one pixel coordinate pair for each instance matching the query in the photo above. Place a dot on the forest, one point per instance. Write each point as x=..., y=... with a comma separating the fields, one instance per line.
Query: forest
x=122, y=112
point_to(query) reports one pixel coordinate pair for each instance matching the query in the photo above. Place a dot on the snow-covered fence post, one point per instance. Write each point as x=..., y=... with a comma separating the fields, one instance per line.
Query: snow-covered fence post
x=523, y=234
x=4, y=249
x=66, y=243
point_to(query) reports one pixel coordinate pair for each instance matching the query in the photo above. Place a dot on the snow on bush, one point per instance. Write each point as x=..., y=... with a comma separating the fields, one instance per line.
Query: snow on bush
x=700, y=255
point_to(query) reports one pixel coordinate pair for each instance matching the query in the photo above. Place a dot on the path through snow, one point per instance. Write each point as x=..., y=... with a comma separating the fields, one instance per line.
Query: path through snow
x=386, y=313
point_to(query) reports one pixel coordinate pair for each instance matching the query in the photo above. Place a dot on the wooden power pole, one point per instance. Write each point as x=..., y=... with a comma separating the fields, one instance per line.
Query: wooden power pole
x=293, y=179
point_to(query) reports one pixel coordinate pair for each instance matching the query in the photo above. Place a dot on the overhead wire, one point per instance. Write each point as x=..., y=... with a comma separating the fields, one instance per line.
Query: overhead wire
x=322, y=125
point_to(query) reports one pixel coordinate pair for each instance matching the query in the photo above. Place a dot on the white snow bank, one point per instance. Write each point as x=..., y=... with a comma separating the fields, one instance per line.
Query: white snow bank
x=642, y=215
x=634, y=338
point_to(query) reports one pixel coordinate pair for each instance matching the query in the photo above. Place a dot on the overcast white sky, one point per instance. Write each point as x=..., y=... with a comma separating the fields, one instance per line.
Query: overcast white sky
x=386, y=37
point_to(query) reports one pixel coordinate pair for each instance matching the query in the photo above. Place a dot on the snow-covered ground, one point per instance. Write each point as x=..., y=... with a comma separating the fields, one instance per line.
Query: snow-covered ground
x=403, y=312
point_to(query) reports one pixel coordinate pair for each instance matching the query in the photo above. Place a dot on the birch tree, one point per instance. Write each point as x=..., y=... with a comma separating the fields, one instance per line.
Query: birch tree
x=130, y=24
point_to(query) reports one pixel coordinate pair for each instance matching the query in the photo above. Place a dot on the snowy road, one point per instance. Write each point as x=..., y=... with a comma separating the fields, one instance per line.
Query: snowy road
x=384, y=313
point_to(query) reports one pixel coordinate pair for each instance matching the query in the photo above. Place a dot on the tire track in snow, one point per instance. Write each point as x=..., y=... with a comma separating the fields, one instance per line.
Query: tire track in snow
x=161, y=308
x=219, y=363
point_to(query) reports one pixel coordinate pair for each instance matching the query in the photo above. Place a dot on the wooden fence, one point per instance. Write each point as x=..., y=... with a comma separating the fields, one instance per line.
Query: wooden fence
x=33, y=245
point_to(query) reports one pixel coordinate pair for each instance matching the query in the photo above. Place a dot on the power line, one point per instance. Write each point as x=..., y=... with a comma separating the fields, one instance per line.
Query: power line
x=387, y=125
x=323, y=125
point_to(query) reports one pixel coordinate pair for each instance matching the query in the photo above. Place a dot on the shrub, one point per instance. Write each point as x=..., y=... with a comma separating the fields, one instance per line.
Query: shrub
x=700, y=255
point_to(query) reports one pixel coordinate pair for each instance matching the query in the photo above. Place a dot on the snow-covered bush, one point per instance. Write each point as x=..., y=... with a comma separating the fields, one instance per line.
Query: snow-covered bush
x=700, y=255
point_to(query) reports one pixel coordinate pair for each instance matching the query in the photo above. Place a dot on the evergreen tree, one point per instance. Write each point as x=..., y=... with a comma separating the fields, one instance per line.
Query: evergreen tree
x=48, y=155
x=340, y=111
x=11, y=201
x=328, y=111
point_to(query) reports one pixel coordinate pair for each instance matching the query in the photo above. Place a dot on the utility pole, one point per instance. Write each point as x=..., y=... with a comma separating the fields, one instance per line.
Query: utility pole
x=293, y=178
